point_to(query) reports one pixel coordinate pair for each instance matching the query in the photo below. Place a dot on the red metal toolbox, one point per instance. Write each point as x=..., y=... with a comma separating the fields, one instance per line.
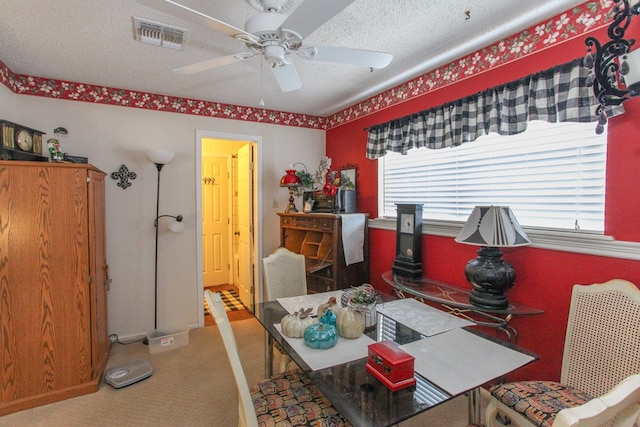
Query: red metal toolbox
x=391, y=365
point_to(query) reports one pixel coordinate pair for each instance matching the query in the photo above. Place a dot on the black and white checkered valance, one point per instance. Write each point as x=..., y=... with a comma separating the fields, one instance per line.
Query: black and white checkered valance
x=555, y=95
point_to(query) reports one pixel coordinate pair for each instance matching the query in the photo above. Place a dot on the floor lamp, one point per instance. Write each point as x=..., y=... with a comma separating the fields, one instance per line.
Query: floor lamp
x=161, y=158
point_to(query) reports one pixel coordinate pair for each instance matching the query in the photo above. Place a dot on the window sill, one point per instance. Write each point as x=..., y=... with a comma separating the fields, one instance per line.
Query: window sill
x=566, y=241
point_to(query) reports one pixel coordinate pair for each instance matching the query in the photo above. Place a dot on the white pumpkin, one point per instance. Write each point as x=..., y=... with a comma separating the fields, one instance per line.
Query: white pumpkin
x=293, y=325
x=350, y=322
x=330, y=304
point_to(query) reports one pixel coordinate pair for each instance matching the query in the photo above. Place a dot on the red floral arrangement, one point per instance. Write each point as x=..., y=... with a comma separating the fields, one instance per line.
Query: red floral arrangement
x=332, y=184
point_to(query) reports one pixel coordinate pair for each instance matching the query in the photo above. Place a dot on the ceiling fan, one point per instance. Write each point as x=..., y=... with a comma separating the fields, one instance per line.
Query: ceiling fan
x=276, y=37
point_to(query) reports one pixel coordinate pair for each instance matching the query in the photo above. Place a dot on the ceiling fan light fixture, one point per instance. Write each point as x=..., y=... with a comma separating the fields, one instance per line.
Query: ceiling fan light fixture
x=274, y=55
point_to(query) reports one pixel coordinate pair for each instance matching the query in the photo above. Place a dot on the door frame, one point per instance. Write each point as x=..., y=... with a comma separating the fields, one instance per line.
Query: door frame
x=257, y=217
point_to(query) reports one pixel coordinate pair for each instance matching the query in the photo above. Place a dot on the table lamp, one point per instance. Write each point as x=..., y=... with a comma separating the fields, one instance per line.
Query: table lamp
x=491, y=227
x=292, y=181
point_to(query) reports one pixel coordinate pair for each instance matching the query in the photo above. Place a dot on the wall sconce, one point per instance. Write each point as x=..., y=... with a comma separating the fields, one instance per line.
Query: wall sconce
x=177, y=226
x=491, y=227
x=291, y=181
x=612, y=62
x=160, y=158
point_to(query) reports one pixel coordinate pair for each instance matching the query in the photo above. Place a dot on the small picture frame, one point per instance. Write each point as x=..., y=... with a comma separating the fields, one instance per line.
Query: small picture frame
x=308, y=205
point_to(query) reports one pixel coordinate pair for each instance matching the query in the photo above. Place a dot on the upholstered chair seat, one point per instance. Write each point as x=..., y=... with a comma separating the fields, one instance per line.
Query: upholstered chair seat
x=291, y=399
x=539, y=401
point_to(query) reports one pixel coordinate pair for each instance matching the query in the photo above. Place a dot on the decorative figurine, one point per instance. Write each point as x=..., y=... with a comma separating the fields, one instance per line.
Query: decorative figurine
x=54, y=150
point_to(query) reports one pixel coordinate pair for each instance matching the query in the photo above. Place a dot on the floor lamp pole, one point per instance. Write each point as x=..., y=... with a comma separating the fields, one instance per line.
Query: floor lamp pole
x=155, y=279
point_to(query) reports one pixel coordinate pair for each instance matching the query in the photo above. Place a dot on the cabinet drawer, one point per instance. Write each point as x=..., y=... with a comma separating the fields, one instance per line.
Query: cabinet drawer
x=308, y=223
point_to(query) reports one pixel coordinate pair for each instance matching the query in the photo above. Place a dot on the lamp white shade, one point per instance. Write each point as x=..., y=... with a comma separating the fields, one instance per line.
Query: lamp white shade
x=632, y=78
x=176, y=226
x=161, y=157
x=493, y=226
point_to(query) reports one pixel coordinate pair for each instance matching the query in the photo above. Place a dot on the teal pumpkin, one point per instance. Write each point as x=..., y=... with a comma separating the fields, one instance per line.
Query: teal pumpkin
x=321, y=335
x=328, y=317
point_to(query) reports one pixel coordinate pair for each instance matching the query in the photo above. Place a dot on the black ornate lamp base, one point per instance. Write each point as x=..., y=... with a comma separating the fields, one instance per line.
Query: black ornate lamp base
x=490, y=277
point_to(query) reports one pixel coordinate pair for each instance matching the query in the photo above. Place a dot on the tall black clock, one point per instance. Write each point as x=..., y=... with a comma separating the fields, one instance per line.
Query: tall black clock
x=408, y=261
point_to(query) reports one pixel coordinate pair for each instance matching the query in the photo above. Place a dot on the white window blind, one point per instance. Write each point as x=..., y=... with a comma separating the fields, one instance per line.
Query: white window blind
x=552, y=176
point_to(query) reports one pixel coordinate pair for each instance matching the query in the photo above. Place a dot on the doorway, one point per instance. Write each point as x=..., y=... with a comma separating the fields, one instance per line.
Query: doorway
x=228, y=205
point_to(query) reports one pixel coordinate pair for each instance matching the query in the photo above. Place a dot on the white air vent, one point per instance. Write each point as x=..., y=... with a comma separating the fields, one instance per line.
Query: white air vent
x=157, y=34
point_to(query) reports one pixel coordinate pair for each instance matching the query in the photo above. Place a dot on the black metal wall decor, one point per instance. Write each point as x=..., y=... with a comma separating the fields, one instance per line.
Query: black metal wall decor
x=608, y=62
x=124, y=175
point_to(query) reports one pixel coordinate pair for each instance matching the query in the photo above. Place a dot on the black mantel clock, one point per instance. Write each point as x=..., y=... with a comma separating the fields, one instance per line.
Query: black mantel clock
x=408, y=262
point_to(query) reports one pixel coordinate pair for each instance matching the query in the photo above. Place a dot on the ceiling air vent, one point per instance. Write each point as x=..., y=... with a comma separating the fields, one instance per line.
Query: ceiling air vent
x=157, y=34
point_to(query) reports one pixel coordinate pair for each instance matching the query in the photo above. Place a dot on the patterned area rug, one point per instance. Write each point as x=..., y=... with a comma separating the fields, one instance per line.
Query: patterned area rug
x=230, y=299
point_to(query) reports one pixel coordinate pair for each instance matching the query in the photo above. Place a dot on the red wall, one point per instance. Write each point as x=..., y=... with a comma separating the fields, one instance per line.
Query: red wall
x=544, y=277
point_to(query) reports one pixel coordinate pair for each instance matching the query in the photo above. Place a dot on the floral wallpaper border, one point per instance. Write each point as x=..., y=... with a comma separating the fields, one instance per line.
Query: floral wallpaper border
x=579, y=20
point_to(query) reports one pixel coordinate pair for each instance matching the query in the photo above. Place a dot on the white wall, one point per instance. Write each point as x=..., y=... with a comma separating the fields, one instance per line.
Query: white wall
x=111, y=136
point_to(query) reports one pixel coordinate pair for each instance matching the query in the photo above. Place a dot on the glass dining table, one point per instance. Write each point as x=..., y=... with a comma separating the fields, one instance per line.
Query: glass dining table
x=451, y=359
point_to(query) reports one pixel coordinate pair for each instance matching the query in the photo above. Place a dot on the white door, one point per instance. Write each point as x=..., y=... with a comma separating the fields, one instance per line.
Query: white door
x=244, y=276
x=215, y=221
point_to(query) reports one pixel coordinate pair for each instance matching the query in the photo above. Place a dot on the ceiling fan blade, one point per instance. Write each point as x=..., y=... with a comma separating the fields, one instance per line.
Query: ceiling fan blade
x=344, y=55
x=213, y=63
x=287, y=77
x=311, y=14
x=176, y=9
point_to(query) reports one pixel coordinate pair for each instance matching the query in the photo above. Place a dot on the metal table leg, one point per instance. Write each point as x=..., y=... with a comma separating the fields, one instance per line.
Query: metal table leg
x=268, y=355
x=474, y=407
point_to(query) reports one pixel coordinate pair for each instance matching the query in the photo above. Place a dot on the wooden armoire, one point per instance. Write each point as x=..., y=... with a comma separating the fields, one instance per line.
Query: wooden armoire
x=54, y=339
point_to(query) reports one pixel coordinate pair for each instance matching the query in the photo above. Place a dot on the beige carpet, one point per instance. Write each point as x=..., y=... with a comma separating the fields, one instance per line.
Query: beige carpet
x=191, y=386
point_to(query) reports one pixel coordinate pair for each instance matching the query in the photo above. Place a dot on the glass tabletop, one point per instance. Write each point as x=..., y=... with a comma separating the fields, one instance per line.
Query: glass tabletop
x=353, y=391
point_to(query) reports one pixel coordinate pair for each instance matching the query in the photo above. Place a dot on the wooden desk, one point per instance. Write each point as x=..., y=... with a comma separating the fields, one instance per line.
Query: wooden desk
x=318, y=237
x=455, y=300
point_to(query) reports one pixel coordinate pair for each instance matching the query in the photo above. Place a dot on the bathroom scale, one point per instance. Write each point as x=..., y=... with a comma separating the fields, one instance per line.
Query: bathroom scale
x=128, y=373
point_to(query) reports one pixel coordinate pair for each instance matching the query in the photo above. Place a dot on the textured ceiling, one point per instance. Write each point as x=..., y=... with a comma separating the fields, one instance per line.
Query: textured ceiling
x=93, y=42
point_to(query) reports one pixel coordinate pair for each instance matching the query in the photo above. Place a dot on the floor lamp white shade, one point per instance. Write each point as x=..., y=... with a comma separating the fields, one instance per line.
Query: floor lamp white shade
x=160, y=157
x=176, y=226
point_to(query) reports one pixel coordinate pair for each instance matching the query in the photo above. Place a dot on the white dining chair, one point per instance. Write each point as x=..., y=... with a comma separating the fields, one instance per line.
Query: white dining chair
x=601, y=349
x=284, y=276
x=287, y=398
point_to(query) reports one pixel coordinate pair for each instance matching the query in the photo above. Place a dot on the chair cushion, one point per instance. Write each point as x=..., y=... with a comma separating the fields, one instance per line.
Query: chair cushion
x=291, y=399
x=539, y=401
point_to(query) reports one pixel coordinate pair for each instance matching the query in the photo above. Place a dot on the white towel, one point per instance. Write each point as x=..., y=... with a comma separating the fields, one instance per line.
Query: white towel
x=353, y=237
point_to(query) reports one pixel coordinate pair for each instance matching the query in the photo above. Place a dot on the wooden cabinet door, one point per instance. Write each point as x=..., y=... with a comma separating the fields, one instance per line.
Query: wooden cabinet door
x=98, y=271
x=44, y=292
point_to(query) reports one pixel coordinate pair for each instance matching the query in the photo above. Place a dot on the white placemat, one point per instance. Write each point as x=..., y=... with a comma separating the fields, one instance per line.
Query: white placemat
x=293, y=304
x=345, y=351
x=459, y=360
x=421, y=317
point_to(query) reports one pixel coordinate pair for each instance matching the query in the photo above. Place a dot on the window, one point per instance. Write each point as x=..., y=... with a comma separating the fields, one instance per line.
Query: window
x=552, y=176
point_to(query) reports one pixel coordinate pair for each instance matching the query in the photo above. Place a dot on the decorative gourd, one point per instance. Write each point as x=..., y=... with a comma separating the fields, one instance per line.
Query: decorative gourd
x=321, y=336
x=328, y=317
x=322, y=308
x=293, y=325
x=350, y=322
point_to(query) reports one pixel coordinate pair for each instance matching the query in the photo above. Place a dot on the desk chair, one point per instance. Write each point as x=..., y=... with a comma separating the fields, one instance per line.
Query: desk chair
x=285, y=276
x=601, y=349
x=288, y=398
